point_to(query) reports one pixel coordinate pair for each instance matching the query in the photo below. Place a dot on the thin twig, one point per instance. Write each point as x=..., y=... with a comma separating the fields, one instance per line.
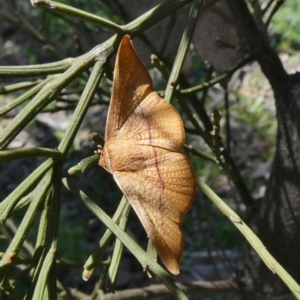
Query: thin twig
x=253, y=240
x=218, y=78
x=273, y=11
x=159, y=290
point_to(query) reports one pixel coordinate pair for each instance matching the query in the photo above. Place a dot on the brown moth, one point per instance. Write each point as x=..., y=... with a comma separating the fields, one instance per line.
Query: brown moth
x=144, y=139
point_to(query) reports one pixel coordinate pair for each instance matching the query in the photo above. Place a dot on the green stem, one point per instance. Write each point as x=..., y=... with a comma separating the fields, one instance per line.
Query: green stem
x=8, y=204
x=40, y=244
x=29, y=152
x=94, y=260
x=18, y=239
x=183, y=49
x=49, y=92
x=23, y=202
x=253, y=240
x=117, y=254
x=84, y=102
x=25, y=96
x=17, y=87
x=222, y=156
x=85, y=164
x=36, y=70
x=153, y=16
x=217, y=79
x=46, y=282
x=200, y=153
x=132, y=246
x=78, y=13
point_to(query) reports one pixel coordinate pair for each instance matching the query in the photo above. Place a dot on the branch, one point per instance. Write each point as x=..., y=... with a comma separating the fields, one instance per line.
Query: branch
x=160, y=290
x=253, y=240
x=258, y=43
x=78, y=13
x=218, y=78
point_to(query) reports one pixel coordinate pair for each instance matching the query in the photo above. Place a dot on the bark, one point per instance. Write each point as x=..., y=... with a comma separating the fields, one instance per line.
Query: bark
x=277, y=219
x=278, y=222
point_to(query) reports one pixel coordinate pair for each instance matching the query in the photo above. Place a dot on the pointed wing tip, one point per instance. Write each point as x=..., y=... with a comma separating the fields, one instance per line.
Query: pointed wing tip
x=126, y=41
x=126, y=51
x=173, y=268
x=171, y=262
x=126, y=37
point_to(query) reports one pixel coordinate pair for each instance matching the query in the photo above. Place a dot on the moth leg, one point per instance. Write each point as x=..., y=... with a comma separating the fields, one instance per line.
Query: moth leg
x=99, y=150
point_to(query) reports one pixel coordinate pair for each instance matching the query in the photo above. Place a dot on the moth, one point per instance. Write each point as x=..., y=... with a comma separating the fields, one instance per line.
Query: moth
x=144, y=138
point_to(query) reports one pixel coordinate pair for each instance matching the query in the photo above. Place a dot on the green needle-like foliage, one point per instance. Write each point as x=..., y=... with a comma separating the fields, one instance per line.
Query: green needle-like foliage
x=40, y=194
